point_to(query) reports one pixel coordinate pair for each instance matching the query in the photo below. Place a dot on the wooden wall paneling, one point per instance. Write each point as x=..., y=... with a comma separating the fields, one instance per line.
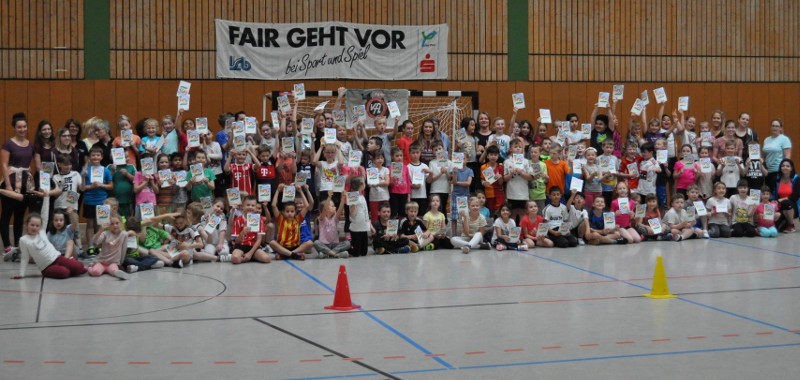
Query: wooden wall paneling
x=210, y=101
x=697, y=105
x=232, y=95
x=560, y=100
x=60, y=102
x=728, y=100
x=759, y=108
x=5, y=114
x=83, y=100
x=253, y=92
x=105, y=105
x=577, y=100
x=791, y=117
x=776, y=105
x=16, y=94
x=126, y=98
x=505, y=106
x=542, y=97
x=148, y=100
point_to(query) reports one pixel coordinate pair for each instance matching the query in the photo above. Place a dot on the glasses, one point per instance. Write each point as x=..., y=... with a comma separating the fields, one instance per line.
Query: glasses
x=67, y=135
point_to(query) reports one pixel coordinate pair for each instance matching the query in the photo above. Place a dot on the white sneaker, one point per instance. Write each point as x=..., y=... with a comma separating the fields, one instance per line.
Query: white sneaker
x=225, y=258
x=158, y=264
x=120, y=274
x=465, y=249
x=132, y=269
x=522, y=247
x=705, y=235
x=581, y=242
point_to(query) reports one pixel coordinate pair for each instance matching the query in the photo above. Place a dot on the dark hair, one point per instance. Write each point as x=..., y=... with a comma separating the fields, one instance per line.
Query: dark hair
x=766, y=188
x=133, y=223
x=51, y=229
x=97, y=149
x=465, y=122
x=415, y=146
x=580, y=194
x=650, y=197
x=249, y=197
x=39, y=139
x=677, y=197
x=743, y=183
x=572, y=114
x=554, y=188
x=383, y=205
x=175, y=155
x=223, y=117
x=377, y=141
x=19, y=116
x=236, y=116
x=791, y=163
x=492, y=149
x=603, y=118
x=78, y=124
x=647, y=147
x=63, y=158
x=356, y=183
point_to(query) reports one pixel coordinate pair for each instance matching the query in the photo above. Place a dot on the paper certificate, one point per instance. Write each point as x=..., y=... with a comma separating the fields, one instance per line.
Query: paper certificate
x=264, y=192
x=519, y=100
x=299, y=92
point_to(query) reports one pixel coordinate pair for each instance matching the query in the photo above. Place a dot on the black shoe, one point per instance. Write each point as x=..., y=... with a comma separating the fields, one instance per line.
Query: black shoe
x=484, y=246
x=622, y=241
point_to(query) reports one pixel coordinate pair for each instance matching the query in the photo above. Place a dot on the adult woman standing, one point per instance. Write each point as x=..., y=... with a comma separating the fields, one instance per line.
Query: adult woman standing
x=88, y=128
x=719, y=143
x=15, y=160
x=717, y=118
x=745, y=133
x=483, y=132
x=102, y=129
x=787, y=191
x=776, y=147
x=44, y=147
x=76, y=143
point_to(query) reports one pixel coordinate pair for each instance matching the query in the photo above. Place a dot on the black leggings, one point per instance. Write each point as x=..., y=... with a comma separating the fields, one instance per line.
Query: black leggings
x=16, y=209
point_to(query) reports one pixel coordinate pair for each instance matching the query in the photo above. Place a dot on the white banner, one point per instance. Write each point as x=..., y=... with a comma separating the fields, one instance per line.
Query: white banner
x=375, y=102
x=330, y=50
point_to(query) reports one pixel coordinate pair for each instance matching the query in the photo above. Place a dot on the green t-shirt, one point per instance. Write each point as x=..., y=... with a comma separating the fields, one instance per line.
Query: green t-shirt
x=537, y=188
x=123, y=187
x=200, y=190
x=154, y=237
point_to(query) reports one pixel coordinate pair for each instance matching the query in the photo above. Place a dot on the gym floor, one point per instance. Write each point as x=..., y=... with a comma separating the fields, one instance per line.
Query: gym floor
x=553, y=313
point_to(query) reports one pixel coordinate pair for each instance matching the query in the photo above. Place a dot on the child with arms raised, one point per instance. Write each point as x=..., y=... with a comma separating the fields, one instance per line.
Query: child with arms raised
x=113, y=243
x=328, y=244
x=287, y=223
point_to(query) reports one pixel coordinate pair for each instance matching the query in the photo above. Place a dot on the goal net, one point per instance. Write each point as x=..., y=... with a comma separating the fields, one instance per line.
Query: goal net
x=448, y=107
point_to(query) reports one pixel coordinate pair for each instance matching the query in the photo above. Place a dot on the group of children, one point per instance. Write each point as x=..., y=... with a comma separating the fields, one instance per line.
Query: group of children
x=545, y=192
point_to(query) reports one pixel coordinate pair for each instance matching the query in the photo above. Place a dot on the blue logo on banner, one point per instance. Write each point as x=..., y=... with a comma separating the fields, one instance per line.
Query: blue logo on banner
x=426, y=38
x=239, y=64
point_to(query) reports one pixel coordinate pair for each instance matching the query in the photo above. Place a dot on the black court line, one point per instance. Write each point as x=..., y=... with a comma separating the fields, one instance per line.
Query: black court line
x=315, y=344
x=39, y=306
x=247, y=317
x=727, y=291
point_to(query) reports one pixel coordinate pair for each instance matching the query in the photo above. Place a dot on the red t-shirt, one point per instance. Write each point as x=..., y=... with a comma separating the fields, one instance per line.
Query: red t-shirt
x=250, y=238
x=241, y=177
x=528, y=227
x=405, y=142
x=633, y=183
x=266, y=171
x=496, y=188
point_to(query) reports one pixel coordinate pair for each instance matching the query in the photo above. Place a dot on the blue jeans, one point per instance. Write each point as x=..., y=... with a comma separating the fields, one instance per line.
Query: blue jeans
x=143, y=262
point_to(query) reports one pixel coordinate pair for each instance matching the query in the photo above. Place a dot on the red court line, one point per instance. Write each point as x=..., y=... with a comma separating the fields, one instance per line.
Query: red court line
x=656, y=340
x=515, y=350
x=394, y=357
x=627, y=342
x=764, y=333
x=590, y=345
x=552, y=348
x=224, y=362
x=54, y=362
x=310, y=360
x=352, y=359
x=96, y=362
x=181, y=363
x=730, y=335
x=14, y=361
x=137, y=363
x=697, y=337
x=716, y=274
x=432, y=355
x=475, y=353
x=794, y=331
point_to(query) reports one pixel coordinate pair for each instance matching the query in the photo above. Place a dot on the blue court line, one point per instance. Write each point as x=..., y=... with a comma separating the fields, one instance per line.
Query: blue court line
x=648, y=289
x=378, y=320
x=631, y=356
x=754, y=247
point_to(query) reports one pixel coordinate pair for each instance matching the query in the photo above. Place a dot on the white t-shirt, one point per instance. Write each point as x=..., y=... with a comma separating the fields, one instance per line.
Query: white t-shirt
x=441, y=185
x=359, y=219
x=213, y=237
x=555, y=215
x=186, y=235
x=576, y=217
x=503, y=142
x=380, y=193
x=672, y=217
x=504, y=227
x=66, y=182
x=422, y=192
x=326, y=175
x=517, y=186
x=646, y=186
x=730, y=173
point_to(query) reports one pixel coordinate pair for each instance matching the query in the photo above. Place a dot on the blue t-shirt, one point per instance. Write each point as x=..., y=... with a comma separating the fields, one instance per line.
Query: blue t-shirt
x=146, y=140
x=461, y=176
x=171, y=143
x=773, y=151
x=222, y=139
x=305, y=230
x=96, y=196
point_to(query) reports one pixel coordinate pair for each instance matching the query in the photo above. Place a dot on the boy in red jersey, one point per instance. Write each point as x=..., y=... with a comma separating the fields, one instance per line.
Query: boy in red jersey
x=287, y=224
x=246, y=240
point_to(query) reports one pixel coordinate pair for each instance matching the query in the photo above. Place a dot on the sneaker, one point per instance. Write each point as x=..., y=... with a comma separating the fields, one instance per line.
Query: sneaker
x=499, y=247
x=344, y=255
x=789, y=230
x=465, y=249
x=91, y=251
x=225, y=258
x=665, y=237
x=621, y=241
x=158, y=264
x=705, y=234
x=380, y=251
x=429, y=247
x=593, y=241
x=484, y=246
x=414, y=248
x=177, y=263
x=298, y=256
x=581, y=241
x=404, y=250
x=132, y=269
x=7, y=250
x=120, y=274
x=524, y=247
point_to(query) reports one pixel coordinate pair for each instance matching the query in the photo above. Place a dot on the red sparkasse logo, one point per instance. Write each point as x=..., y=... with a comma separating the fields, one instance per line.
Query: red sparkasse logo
x=427, y=65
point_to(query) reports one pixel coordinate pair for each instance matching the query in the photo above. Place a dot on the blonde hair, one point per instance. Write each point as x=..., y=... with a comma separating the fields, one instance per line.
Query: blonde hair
x=88, y=126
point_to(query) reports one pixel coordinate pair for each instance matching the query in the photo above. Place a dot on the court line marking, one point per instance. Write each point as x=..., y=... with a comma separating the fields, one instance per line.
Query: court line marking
x=754, y=247
x=648, y=289
x=374, y=318
x=357, y=361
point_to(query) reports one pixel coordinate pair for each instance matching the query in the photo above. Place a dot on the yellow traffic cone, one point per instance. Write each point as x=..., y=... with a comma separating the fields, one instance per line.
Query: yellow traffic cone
x=659, y=290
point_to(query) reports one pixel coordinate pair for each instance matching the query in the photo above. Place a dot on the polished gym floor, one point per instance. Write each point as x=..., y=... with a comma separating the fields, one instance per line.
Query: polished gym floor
x=547, y=313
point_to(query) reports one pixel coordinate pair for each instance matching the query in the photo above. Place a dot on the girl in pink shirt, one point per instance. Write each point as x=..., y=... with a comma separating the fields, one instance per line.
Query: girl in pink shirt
x=623, y=220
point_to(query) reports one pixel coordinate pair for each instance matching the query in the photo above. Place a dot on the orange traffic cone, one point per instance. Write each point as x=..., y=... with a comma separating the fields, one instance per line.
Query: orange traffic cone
x=341, y=300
